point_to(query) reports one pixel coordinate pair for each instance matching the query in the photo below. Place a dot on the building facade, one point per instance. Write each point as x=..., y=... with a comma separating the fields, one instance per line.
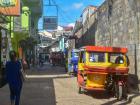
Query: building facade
x=116, y=23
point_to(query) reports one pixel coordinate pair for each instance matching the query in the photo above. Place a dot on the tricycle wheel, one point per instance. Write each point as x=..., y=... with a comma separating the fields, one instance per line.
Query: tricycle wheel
x=81, y=90
x=119, y=91
x=125, y=92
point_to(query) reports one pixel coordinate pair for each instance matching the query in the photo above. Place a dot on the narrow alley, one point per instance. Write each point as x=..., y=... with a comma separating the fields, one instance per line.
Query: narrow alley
x=70, y=52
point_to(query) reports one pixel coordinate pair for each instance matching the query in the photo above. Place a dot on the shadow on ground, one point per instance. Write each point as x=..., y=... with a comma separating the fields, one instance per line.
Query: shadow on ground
x=46, y=69
x=113, y=101
x=38, y=92
x=99, y=94
x=40, y=89
x=123, y=102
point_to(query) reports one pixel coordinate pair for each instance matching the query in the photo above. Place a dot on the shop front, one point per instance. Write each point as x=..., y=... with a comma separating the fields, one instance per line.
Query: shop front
x=4, y=50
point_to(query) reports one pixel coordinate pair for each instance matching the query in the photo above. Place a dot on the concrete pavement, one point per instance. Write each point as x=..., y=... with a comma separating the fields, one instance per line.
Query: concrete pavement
x=52, y=86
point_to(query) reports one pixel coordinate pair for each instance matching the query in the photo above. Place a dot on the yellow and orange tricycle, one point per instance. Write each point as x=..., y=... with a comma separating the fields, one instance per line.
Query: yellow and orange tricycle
x=103, y=68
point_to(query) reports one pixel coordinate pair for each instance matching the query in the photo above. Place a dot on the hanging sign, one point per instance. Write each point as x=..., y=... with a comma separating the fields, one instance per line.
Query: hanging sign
x=50, y=22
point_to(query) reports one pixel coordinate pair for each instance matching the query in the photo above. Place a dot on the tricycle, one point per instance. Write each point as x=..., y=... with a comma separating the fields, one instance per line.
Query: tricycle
x=73, y=61
x=103, y=69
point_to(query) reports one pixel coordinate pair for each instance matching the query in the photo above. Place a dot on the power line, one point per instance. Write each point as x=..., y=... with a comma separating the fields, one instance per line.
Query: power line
x=62, y=13
x=64, y=18
x=66, y=15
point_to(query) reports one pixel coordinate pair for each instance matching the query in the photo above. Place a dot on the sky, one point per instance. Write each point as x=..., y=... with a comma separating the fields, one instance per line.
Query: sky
x=68, y=10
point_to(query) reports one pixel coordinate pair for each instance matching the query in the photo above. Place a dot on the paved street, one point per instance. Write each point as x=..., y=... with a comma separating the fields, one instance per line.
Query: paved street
x=93, y=35
x=52, y=86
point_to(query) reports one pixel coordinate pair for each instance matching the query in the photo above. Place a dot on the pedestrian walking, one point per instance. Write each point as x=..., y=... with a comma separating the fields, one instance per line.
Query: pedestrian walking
x=14, y=78
x=53, y=58
x=41, y=61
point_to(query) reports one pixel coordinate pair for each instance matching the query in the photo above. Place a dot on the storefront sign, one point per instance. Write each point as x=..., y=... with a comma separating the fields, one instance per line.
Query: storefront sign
x=11, y=10
x=7, y=3
x=25, y=18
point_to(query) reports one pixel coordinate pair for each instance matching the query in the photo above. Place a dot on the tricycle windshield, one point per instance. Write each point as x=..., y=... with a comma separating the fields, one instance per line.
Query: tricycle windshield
x=116, y=58
x=75, y=54
x=96, y=57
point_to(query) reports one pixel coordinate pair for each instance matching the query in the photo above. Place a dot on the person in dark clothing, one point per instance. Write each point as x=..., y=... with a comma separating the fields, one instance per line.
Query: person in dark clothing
x=14, y=78
x=41, y=61
x=119, y=60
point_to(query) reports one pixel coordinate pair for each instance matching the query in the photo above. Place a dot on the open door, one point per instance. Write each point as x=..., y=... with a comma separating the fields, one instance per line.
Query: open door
x=82, y=60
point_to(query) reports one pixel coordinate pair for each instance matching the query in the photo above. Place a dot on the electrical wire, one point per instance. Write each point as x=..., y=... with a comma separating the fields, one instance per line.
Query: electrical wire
x=65, y=18
x=66, y=15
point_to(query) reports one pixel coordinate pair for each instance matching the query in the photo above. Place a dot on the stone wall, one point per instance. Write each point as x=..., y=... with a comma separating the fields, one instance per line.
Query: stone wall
x=119, y=25
x=115, y=23
x=86, y=35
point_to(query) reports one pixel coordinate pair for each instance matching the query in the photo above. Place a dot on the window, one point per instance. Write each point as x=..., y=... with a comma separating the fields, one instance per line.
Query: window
x=82, y=57
x=76, y=54
x=116, y=58
x=96, y=57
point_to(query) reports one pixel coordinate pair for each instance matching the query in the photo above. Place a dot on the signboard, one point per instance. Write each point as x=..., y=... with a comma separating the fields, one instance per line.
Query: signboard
x=12, y=10
x=62, y=44
x=25, y=18
x=50, y=22
x=7, y=3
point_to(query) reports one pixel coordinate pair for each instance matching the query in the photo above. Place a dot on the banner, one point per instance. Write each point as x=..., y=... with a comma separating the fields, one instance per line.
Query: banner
x=11, y=10
x=25, y=18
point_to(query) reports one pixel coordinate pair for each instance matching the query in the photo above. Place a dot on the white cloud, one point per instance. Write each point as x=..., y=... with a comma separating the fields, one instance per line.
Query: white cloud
x=71, y=24
x=59, y=28
x=78, y=5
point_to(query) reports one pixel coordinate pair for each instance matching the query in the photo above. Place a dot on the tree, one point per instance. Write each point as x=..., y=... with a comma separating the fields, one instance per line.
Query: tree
x=28, y=46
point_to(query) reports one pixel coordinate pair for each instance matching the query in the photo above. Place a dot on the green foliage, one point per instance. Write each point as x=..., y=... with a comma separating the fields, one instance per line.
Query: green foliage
x=28, y=43
x=18, y=36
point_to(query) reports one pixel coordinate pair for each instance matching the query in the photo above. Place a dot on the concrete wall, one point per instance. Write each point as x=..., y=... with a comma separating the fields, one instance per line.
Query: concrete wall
x=119, y=25
x=86, y=35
